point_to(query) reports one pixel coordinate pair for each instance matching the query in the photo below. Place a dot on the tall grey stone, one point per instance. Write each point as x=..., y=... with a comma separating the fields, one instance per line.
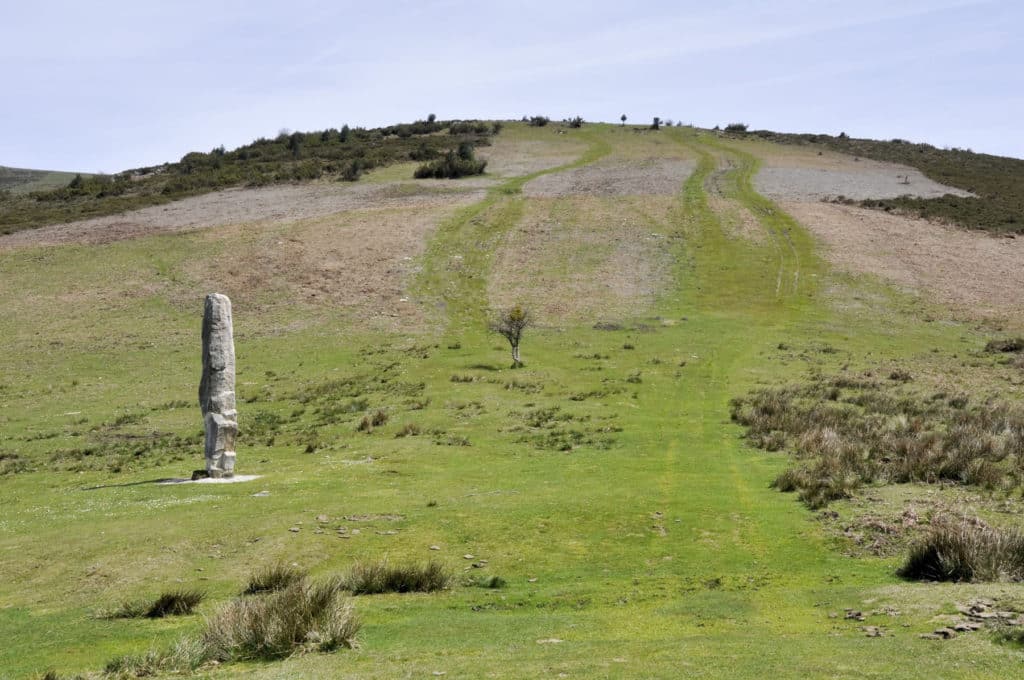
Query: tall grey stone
x=217, y=387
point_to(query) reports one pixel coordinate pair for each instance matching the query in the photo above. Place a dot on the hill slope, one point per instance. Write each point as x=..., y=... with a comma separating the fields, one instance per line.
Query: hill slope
x=21, y=180
x=634, y=527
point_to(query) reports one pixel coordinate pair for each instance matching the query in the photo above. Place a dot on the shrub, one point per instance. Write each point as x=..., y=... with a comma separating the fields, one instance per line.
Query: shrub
x=353, y=170
x=372, y=578
x=304, y=615
x=538, y=121
x=576, y=122
x=273, y=578
x=848, y=432
x=452, y=166
x=968, y=551
x=736, y=127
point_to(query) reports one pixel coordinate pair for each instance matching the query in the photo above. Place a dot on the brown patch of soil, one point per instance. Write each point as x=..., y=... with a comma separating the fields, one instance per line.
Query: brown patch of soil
x=648, y=177
x=275, y=205
x=973, y=273
x=581, y=258
x=509, y=156
x=361, y=261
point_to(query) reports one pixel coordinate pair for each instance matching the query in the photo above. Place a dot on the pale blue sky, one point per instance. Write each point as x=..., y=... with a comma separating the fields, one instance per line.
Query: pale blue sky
x=111, y=84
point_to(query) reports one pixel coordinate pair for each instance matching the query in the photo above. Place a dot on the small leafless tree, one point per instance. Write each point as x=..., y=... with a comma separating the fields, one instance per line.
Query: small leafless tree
x=510, y=323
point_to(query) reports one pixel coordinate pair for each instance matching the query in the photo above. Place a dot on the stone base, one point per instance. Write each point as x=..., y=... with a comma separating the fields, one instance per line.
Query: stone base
x=209, y=480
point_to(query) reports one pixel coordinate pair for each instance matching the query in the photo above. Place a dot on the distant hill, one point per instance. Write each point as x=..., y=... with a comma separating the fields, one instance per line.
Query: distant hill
x=23, y=180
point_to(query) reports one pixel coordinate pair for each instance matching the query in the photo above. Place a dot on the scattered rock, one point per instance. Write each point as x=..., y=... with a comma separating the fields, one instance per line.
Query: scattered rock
x=872, y=631
x=435, y=547
x=854, y=615
x=323, y=519
x=467, y=557
x=258, y=494
x=294, y=530
x=549, y=641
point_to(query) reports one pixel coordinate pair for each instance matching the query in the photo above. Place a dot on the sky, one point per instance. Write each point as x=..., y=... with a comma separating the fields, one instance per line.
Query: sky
x=109, y=85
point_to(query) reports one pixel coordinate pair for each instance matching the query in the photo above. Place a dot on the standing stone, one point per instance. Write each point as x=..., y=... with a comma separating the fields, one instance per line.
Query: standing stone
x=217, y=387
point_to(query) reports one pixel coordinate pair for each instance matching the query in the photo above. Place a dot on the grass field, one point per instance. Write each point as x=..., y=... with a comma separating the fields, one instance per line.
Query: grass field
x=604, y=482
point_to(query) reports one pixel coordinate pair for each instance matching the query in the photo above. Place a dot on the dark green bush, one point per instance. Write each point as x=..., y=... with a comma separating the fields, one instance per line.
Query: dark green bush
x=452, y=166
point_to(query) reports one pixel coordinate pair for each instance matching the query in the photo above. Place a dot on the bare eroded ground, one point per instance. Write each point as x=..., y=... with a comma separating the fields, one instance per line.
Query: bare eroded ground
x=512, y=156
x=615, y=177
x=583, y=258
x=878, y=181
x=359, y=261
x=973, y=273
x=274, y=204
x=802, y=173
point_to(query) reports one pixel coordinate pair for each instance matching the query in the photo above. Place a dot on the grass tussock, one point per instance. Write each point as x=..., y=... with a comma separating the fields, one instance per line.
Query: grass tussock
x=273, y=578
x=303, y=616
x=381, y=576
x=409, y=430
x=850, y=431
x=967, y=551
x=170, y=603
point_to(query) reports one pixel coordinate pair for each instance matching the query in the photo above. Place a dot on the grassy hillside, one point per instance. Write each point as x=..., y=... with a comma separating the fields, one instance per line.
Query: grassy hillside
x=997, y=181
x=20, y=180
x=290, y=157
x=633, y=526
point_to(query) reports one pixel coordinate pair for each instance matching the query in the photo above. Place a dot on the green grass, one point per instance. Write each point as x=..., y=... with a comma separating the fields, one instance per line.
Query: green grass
x=652, y=547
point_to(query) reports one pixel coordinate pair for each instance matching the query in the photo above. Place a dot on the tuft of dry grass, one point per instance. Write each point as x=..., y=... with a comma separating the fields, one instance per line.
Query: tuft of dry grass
x=967, y=551
x=303, y=615
x=847, y=432
x=380, y=576
x=409, y=430
x=170, y=603
x=273, y=578
x=370, y=421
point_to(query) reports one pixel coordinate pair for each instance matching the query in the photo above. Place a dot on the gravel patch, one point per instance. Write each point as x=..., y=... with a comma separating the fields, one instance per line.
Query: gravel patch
x=875, y=181
x=648, y=177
